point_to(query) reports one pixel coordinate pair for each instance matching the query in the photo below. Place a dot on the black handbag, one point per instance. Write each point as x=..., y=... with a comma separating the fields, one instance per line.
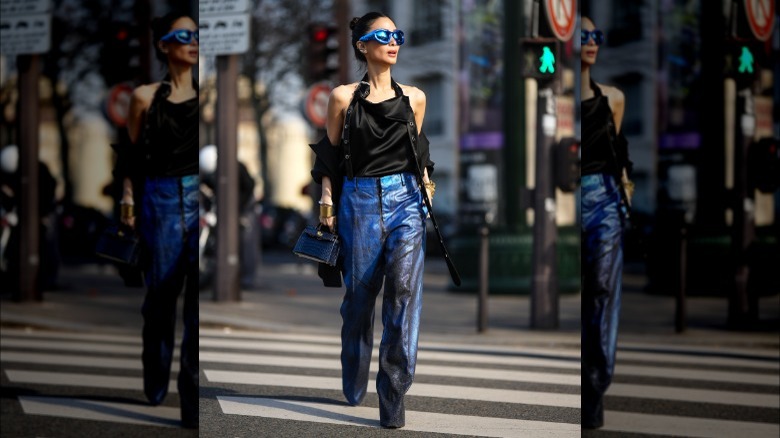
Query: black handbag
x=119, y=244
x=318, y=245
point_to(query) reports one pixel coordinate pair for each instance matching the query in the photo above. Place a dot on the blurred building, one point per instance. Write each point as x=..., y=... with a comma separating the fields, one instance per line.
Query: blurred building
x=701, y=92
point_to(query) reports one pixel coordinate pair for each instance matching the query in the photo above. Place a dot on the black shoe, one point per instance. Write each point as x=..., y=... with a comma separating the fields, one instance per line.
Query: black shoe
x=593, y=416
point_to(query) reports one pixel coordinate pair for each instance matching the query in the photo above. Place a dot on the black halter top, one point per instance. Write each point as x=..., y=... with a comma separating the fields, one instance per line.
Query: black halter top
x=597, y=156
x=380, y=141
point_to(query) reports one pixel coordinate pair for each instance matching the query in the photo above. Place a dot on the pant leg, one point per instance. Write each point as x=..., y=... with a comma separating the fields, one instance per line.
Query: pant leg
x=402, y=303
x=602, y=286
x=189, y=373
x=163, y=234
x=360, y=231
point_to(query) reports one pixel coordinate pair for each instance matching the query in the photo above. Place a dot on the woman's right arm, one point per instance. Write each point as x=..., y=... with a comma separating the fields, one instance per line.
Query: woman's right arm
x=139, y=103
x=337, y=104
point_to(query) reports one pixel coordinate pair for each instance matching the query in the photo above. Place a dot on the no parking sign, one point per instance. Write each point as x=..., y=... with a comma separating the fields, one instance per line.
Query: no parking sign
x=761, y=17
x=562, y=16
x=315, y=106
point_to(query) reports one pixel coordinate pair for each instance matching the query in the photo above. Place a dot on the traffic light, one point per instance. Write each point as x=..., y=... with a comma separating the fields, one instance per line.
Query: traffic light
x=540, y=58
x=121, y=53
x=566, y=164
x=764, y=164
x=323, y=52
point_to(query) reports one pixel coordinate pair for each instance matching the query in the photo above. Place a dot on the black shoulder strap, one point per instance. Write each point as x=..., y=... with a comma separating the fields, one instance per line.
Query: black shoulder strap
x=361, y=90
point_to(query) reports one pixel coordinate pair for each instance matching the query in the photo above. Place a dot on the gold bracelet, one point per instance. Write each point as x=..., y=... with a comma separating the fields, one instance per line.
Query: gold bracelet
x=127, y=210
x=430, y=186
x=327, y=210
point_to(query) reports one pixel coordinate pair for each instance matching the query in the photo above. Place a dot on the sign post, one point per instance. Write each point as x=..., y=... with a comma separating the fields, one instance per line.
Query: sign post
x=25, y=30
x=224, y=28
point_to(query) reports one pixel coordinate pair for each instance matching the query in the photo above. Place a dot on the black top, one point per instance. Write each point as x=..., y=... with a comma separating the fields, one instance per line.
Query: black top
x=599, y=138
x=380, y=143
x=173, y=139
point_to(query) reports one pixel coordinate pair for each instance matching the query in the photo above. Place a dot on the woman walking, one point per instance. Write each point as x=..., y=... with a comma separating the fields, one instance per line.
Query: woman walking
x=373, y=165
x=604, y=162
x=163, y=125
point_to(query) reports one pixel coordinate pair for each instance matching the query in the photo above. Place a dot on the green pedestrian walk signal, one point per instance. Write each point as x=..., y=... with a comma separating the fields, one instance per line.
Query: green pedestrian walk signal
x=539, y=57
x=547, y=61
x=746, y=60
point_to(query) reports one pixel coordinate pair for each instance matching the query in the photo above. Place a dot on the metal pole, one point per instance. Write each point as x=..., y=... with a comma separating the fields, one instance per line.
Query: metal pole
x=544, y=293
x=342, y=22
x=484, y=269
x=29, y=226
x=227, y=285
x=742, y=228
x=680, y=314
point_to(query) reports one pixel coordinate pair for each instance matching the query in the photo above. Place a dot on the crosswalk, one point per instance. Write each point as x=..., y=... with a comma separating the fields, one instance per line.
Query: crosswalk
x=492, y=391
x=80, y=376
x=290, y=384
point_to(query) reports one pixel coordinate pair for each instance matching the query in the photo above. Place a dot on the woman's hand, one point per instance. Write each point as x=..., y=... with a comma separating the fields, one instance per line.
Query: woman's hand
x=328, y=214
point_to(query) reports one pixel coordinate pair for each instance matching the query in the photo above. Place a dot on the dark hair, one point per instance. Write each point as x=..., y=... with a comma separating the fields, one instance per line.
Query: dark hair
x=360, y=26
x=160, y=27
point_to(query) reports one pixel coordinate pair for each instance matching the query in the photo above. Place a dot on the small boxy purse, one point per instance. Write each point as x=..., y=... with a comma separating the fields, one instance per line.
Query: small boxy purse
x=119, y=244
x=318, y=245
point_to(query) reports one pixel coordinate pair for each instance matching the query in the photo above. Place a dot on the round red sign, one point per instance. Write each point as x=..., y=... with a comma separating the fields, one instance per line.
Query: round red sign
x=761, y=17
x=118, y=104
x=561, y=14
x=316, y=104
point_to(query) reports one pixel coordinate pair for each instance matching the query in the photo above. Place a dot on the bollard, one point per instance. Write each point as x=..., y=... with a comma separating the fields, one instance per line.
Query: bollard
x=680, y=311
x=482, y=311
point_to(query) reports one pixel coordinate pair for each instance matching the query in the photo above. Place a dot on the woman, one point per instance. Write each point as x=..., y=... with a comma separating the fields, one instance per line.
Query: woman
x=163, y=126
x=370, y=166
x=604, y=161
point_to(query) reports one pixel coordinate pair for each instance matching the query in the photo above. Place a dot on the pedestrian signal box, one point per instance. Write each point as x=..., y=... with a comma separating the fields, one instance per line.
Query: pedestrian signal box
x=539, y=58
x=566, y=164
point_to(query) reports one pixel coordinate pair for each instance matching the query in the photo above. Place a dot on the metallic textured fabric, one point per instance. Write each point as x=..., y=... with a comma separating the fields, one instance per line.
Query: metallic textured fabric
x=169, y=228
x=602, y=243
x=381, y=222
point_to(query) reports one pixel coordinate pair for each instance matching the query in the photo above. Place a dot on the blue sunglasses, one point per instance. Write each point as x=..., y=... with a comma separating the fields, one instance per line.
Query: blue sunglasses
x=181, y=36
x=598, y=36
x=383, y=36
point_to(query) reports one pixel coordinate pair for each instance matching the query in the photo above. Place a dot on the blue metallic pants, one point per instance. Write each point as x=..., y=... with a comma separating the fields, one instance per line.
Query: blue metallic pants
x=169, y=228
x=381, y=222
x=602, y=243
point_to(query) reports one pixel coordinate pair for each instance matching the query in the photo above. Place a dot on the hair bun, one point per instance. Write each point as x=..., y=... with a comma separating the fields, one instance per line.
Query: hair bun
x=353, y=23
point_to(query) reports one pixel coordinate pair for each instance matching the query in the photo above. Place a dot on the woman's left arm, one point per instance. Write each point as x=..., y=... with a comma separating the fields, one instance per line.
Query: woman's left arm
x=418, y=102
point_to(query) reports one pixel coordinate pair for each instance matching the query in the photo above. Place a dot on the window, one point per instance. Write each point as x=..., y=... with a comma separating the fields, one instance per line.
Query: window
x=427, y=22
x=631, y=85
x=626, y=22
x=433, y=86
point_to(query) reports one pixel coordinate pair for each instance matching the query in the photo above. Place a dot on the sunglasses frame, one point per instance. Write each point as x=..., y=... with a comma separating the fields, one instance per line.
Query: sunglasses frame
x=596, y=34
x=173, y=36
x=397, y=35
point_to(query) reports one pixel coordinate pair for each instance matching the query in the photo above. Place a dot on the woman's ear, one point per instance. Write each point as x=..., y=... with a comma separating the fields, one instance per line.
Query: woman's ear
x=163, y=47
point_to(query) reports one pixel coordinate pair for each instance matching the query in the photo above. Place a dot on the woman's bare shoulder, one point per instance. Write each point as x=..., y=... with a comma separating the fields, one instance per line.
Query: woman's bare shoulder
x=416, y=95
x=613, y=93
x=343, y=93
x=145, y=93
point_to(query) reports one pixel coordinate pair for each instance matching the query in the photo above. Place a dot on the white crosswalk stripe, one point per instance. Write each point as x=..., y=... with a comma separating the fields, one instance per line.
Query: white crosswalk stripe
x=245, y=364
x=694, y=392
x=89, y=366
x=689, y=389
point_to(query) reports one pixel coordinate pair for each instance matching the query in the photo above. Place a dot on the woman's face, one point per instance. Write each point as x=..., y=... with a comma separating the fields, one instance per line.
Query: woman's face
x=589, y=50
x=377, y=52
x=177, y=52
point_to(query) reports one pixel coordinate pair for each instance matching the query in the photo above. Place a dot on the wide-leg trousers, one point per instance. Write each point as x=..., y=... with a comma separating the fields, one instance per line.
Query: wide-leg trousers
x=602, y=244
x=381, y=222
x=169, y=228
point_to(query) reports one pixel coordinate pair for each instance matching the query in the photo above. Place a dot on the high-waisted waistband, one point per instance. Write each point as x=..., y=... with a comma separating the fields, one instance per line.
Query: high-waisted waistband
x=599, y=179
x=385, y=182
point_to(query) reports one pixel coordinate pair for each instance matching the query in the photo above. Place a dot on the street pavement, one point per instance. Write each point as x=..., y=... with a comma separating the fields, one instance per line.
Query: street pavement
x=270, y=365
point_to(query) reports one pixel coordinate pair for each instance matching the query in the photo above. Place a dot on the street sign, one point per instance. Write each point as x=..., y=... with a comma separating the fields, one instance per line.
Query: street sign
x=25, y=34
x=315, y=106
x=212, y=7
x=562, y=16
x=118, y=104
x=224, y=34
x=24, y=7
x=761, y=17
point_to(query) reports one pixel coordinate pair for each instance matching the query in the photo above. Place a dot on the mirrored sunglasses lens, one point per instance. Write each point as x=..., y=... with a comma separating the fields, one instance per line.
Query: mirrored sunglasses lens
x=598, y=37
x=382, y=36
x=399, y=37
